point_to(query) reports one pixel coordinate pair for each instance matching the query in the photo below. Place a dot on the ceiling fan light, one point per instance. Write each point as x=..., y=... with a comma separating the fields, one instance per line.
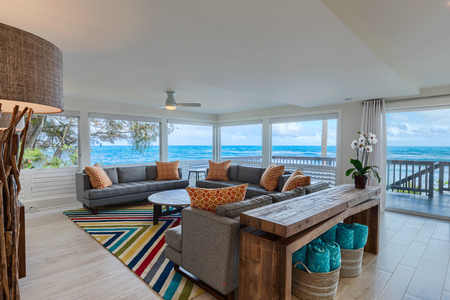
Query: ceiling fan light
x=171, y=106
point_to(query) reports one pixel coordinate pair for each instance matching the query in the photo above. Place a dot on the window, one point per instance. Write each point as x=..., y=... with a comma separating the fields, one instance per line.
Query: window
x=241, y=142
x=116, y=141
x=305, y=142
x=190, y=142
x=52, y=142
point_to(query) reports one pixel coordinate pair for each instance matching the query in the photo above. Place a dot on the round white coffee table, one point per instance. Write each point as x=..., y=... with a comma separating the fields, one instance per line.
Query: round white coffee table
x=176, y=198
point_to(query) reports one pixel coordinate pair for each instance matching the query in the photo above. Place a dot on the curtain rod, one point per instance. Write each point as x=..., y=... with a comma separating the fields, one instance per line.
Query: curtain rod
x=412, y=98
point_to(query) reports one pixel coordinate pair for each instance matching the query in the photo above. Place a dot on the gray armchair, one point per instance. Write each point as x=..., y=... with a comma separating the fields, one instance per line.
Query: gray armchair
x=208, y=247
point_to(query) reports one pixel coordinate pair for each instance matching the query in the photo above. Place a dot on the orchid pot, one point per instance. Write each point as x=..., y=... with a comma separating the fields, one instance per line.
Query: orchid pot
x=361, y=171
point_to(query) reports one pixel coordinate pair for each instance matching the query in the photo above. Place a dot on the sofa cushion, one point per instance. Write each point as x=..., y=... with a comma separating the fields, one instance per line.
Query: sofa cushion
x=255, y=190
x=210, y=184
x=249, y=174
x=127, y=188
x=152, y=172
x=233, y=210
x=316, y=187
x=131, y=174
x=210, y=199
x=173, y=255
x=278, y=197
x=173, y=238
x=112, y=174
x=233, y=172
x=98, y=177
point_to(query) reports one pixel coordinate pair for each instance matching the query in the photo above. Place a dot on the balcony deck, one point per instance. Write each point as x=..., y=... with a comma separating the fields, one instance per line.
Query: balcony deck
x=436, y=206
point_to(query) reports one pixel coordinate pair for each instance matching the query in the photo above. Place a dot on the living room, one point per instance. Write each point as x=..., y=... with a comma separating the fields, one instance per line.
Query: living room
x=289, y=83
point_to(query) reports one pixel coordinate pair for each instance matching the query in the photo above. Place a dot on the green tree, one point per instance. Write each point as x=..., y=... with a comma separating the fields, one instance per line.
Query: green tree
x=52, y=141
x=141, y=135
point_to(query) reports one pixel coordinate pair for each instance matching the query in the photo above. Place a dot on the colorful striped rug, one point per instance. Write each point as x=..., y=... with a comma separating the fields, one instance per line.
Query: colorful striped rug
x=129, y=234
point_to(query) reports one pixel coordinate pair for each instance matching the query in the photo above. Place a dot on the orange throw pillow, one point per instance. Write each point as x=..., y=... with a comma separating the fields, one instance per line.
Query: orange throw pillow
x=296, y=180
x=209, y=199
x=218, y=171
x=98, y=178
x=269, y=179
x=167, y=170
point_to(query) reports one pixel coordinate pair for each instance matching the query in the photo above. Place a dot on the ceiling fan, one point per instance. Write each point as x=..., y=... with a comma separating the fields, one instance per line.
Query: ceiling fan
x=171, y=104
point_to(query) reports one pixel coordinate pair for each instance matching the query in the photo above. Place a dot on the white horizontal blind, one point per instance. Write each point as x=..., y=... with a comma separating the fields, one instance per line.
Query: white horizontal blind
x=124, y=117
x=43, y=184
x=304, y=118
x=184, y=122
x=250, y=122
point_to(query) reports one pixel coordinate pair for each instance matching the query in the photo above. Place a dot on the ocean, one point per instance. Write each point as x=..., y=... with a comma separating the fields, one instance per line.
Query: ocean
x=115, y=155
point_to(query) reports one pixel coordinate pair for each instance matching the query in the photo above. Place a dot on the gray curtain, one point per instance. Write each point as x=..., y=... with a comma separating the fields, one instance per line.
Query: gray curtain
x=374, y=121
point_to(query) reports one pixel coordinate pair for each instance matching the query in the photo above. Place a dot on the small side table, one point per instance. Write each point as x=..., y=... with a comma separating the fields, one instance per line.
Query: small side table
x=176, y=198
x=197, y=173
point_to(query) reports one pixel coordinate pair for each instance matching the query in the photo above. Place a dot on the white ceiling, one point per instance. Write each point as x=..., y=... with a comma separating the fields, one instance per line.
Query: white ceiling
x=241, y=55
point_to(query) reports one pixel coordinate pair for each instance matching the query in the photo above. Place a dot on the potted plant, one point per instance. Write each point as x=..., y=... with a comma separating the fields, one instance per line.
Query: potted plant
x=361, y=171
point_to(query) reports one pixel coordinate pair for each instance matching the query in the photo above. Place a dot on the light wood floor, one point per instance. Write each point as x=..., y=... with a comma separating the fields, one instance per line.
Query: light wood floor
x=64, y=262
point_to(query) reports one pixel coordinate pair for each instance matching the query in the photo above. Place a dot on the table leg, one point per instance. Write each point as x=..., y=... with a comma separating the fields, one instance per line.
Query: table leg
x=264, y=269
x=157, y=210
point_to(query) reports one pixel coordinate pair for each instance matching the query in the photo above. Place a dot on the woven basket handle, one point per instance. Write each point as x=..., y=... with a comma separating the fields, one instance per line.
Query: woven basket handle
x=299, y=262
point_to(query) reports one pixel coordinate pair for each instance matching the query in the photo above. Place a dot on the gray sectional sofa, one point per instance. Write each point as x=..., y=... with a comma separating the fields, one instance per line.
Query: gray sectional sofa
x=129, y=184
x=207, y=244
x=244, y=174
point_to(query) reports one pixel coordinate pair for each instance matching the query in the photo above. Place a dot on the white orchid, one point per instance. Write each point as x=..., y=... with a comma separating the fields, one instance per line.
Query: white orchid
x=365, y=144
x=372, y=139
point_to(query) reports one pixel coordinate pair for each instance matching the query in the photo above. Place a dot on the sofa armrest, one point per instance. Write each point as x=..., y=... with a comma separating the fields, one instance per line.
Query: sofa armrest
x=210, y=248
x=83, y=184
x=282, y=181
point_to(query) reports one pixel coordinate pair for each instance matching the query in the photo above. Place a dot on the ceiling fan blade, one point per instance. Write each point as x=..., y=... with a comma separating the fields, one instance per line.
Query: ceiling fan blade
x=162, y=107
x=189, y=104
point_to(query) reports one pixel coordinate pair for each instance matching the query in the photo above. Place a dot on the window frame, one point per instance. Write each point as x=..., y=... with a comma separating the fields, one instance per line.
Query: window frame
x=95, y=115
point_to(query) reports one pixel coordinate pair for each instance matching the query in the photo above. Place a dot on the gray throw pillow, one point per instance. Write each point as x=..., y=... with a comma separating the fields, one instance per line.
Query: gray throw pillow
x=233, y=210
x=312, y=188
x=278, y=197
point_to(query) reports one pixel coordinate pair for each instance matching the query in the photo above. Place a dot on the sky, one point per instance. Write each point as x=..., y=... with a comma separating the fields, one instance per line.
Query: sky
x=422, y=128
x=306, y=133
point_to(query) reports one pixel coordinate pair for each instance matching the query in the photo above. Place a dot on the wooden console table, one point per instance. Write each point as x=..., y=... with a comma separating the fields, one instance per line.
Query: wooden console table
x=278, y=230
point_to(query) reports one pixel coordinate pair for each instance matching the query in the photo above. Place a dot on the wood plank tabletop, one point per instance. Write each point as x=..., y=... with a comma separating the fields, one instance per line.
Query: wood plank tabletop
x=291, y=216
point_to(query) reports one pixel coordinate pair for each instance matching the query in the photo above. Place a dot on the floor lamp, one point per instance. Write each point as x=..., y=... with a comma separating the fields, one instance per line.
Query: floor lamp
x=31, y=81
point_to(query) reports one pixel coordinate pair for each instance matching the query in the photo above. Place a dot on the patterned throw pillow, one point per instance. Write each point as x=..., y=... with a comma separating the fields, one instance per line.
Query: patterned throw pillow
x=218, y=171
x=167, y=170
x=297, y=179
x=210, y=199
x=98, y=178
x=269, y=179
